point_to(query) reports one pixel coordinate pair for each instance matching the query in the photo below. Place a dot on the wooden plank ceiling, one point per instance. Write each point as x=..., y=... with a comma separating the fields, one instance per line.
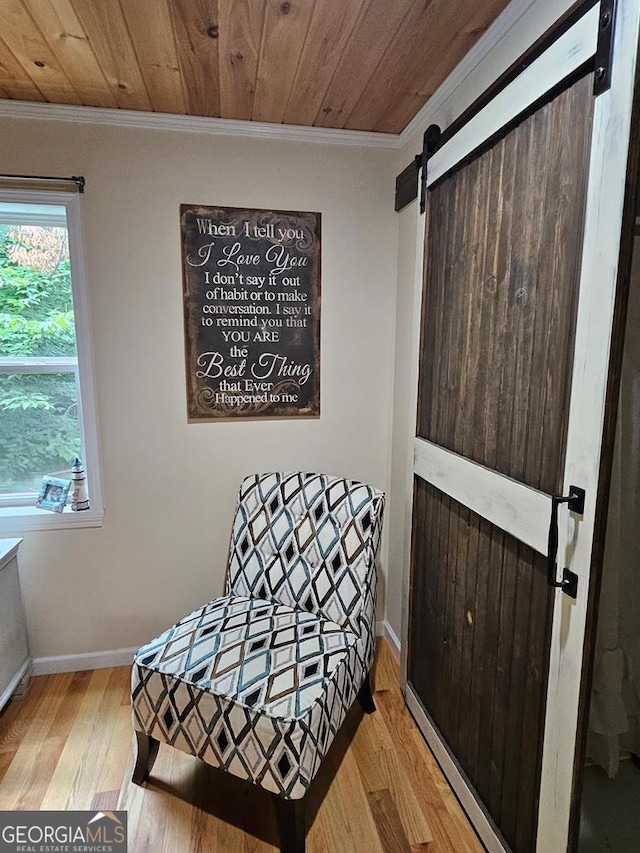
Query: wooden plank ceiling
x=365, y=65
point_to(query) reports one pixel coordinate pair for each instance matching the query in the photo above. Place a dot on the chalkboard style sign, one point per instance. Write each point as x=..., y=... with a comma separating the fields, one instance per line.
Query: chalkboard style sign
x=252, y=312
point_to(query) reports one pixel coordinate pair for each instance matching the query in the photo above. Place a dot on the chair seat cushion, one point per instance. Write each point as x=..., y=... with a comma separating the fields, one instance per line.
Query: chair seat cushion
x=253, y=686
x=264, y=655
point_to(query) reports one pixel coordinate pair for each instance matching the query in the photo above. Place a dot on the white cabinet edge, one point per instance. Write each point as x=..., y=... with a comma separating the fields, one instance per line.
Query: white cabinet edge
x=8, y=550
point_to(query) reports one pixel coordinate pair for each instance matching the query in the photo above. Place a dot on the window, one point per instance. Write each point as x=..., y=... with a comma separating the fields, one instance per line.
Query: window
x=47, y=411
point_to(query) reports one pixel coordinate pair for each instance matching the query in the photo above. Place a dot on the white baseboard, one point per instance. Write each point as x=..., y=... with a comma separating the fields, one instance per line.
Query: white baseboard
x=88, y=660
x=383, y=629
x=124, y=657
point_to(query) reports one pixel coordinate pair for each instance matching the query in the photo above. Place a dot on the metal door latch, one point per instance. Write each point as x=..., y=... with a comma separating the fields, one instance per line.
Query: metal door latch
x=575, y=503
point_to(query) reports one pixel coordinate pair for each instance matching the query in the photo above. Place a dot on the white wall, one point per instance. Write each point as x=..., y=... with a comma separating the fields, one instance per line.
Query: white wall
x=519, y=26
x=170, y=486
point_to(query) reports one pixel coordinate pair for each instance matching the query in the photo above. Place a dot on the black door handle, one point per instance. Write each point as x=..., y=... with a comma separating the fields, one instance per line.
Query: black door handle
x=575, y=502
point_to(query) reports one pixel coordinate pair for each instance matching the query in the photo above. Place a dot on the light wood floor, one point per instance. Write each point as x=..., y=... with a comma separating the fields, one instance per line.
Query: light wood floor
x=69, y=745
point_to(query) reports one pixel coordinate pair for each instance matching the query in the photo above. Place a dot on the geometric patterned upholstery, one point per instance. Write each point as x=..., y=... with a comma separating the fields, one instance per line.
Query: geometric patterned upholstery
x=305, y=540
x=258, y=682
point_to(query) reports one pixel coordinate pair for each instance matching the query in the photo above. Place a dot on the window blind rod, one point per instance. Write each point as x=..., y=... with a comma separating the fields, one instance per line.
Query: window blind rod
x=78, y=180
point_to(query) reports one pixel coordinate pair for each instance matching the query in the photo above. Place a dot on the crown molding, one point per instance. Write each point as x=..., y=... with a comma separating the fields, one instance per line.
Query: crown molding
x=197, y=124
x=502, y=25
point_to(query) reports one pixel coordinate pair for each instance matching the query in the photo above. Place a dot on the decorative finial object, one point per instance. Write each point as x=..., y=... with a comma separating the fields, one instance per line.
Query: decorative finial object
x=80, y=499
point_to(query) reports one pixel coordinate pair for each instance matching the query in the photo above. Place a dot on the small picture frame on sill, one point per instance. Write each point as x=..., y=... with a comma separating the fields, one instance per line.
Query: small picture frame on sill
x=53, y=494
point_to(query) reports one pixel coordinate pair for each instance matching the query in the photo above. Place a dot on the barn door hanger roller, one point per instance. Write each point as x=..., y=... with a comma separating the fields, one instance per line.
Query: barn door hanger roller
x=430, y=143
x=604, y=47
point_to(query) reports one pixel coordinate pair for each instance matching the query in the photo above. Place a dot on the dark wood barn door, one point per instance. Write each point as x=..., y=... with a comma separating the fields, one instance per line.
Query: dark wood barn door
x=504, y=242
x=501, y=377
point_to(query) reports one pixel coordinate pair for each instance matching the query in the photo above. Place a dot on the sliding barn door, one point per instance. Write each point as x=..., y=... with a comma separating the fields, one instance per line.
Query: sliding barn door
x=522, y=231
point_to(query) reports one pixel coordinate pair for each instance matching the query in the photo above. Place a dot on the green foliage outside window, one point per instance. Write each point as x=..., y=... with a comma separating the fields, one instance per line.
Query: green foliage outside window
x=39, y=427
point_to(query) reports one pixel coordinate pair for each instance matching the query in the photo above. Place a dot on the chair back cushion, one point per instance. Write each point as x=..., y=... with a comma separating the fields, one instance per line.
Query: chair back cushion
x=309, y=541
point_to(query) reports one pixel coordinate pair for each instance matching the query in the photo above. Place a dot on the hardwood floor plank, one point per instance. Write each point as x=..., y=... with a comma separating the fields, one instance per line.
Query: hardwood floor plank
x=50, y=752
x=181, y=809
x=133, y=799
x=149, y=808
x=367, y=742
x=105, y=801
x=386, y=668
x=25, y=776
x=387, y=820
x=345, y=814
x=317, y=840
x=15, y=723
x=412, y=816
x=150, y=827
x=372, y=745
x=114, y=768
x=23, y=708
x=72, y=782
x=448, y=823
x=69, y=744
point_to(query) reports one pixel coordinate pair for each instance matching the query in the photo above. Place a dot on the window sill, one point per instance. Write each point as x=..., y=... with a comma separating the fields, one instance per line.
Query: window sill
x=27, y=518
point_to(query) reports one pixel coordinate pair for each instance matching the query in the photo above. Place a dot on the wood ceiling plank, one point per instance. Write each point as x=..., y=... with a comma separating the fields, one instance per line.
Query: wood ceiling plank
x=419, y=45
x=64, y=34
x=14, y=80
x=362, y=55
x=394, y=73
x=195, y=25
x=453, y=33
x=106, y=28
x=152, y=35
x=240, y=24
x=283, y=38
x=24, y=39
x=329, y=31
x=359, y=64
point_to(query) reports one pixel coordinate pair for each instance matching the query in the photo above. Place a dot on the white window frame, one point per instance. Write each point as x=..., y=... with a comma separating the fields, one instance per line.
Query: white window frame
x=28, y=517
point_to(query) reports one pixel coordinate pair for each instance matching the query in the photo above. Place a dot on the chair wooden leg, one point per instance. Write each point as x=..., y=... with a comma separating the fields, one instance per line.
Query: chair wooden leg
x=147, y=751
x=365, y=696
x=291, y=824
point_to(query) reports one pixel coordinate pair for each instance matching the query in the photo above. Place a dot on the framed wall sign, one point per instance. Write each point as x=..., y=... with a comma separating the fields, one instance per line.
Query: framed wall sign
x=251, y=284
